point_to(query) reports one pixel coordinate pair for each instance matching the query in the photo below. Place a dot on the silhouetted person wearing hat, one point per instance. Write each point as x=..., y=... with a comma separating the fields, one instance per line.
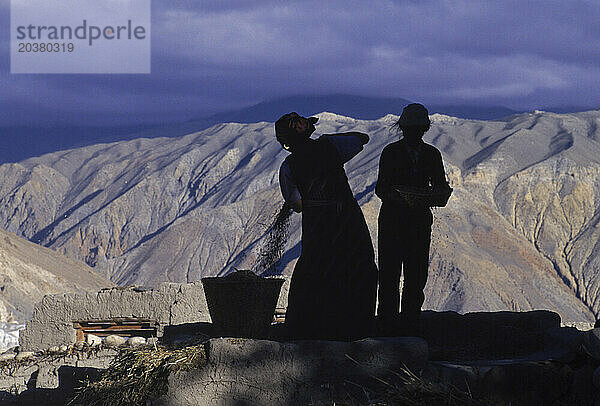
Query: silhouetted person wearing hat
x=333, y=288
x=405, y=224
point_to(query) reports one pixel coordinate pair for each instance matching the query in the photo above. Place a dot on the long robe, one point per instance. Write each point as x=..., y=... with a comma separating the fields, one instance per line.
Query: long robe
x=333, y=288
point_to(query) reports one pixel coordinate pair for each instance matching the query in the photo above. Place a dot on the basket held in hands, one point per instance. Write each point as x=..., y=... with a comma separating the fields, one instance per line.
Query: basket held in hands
x=420, y=196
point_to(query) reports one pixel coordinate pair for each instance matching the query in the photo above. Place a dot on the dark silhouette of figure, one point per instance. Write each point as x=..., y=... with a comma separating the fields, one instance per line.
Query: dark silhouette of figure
x=333, y=288
x=405, y=224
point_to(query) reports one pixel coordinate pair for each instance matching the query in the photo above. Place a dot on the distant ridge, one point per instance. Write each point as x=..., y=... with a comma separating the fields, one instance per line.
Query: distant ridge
x=361, y=107
x=22, y=142
x=28, y=272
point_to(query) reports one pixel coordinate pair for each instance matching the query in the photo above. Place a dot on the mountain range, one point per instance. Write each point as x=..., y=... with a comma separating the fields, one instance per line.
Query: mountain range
x=520, y=232
x=19, y=143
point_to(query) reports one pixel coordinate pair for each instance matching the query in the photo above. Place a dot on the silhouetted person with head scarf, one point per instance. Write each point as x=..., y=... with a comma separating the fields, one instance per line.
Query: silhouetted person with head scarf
x=333, y=288
x=405, y=223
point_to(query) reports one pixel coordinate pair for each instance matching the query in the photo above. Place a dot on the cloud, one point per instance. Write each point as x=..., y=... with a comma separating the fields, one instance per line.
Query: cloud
x=219, y=54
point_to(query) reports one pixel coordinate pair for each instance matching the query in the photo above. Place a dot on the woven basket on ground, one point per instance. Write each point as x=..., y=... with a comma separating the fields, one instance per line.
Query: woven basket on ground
x=242, y=304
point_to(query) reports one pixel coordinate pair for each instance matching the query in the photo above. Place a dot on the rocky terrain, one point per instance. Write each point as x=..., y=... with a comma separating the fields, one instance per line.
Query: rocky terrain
x=519, y=233
x=29, y=271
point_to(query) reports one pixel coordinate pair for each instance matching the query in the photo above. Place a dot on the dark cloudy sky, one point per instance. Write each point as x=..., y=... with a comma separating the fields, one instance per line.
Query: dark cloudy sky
x=209, y=56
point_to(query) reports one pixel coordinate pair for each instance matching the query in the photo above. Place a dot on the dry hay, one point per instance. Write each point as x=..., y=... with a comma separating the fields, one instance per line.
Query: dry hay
x=136, y=375
x=408, y=389
x=411, y=389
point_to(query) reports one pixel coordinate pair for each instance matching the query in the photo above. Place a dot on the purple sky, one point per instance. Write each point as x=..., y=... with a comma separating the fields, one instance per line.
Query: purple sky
x=209, y=56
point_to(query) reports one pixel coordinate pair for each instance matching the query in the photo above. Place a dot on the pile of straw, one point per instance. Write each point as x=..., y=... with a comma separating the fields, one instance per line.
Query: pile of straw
x=408, y=389
x=136, y=375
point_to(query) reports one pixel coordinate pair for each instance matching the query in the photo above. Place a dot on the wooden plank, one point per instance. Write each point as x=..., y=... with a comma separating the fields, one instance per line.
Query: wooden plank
x=124, y=326
x=115, y=323
x=119, y=331
x=116, y=320
x=128, y=327
x=128, y=334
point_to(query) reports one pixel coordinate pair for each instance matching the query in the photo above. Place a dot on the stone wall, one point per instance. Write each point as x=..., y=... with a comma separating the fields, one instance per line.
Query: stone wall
x=262, y=372
x=169, y=304
x=47, y=379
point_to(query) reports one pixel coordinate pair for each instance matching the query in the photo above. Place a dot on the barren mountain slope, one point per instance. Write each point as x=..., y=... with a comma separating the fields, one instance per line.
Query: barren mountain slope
x=28, y=272
x=519, y=232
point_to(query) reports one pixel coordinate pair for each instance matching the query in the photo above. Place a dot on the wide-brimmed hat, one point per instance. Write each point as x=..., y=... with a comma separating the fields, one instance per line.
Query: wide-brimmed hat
x=414, y=114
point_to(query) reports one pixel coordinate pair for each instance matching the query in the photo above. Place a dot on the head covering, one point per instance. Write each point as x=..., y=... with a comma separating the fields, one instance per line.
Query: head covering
x=286, y=132
x=414, y=114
